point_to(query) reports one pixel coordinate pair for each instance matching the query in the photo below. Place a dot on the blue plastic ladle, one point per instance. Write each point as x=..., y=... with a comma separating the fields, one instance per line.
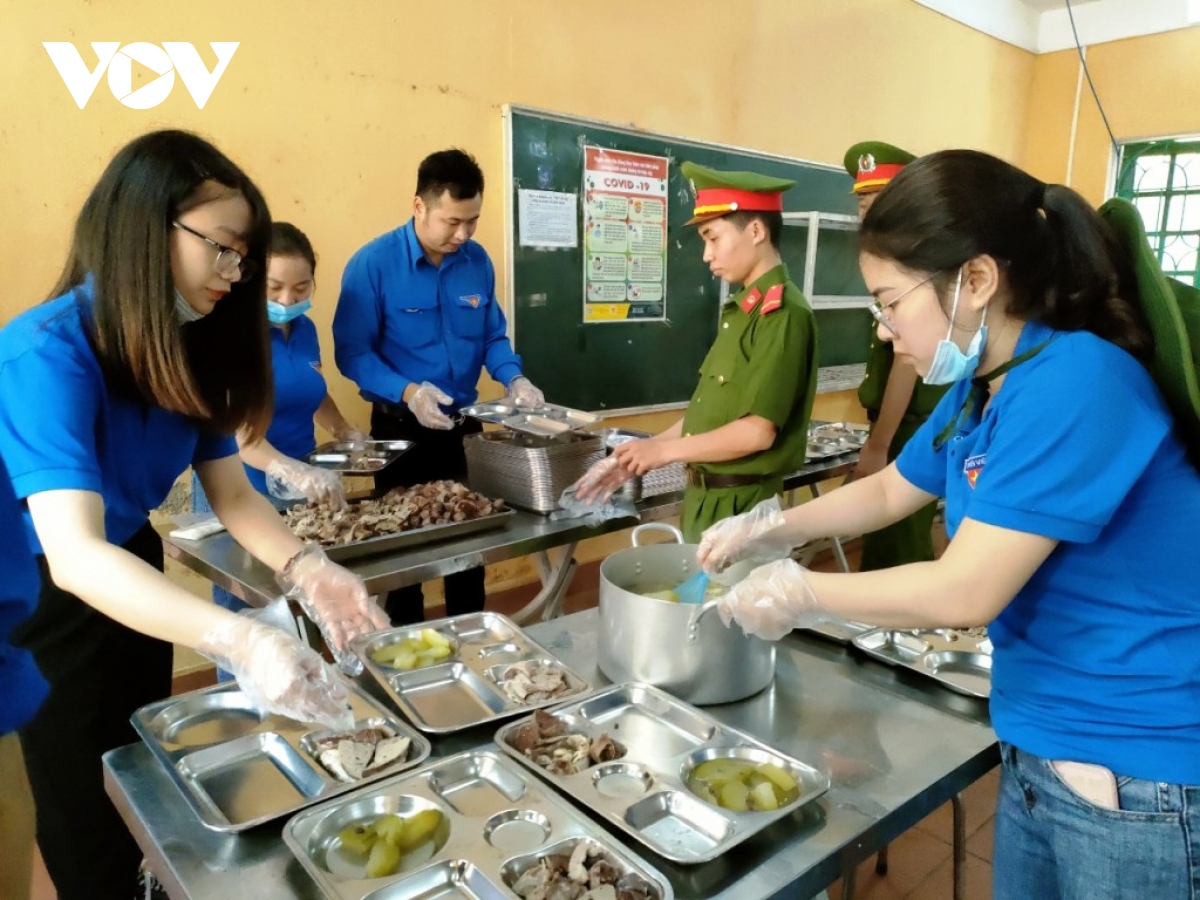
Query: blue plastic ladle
x=693, y=590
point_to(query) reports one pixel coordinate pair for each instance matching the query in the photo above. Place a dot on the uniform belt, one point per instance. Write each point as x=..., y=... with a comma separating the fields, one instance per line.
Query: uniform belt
x=697, y=477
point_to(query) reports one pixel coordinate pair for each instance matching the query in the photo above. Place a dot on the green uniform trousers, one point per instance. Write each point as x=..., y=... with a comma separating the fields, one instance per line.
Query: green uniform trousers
x=909, y=540
x=703, y=507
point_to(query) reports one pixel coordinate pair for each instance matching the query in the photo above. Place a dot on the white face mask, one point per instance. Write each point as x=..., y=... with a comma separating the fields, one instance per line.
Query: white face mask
x=184, y=311
x=950, y=364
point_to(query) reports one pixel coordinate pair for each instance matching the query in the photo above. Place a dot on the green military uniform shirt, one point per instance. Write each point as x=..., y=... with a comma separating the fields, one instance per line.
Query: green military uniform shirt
x=762, y=363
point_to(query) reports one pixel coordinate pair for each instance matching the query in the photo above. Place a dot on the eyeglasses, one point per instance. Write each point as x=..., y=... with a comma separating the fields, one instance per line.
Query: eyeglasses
x=229, y=264
x=880, y=310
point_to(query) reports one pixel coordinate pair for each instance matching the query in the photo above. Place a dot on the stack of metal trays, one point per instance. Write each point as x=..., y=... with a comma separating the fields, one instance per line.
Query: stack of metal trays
x=651, y=791
x=363, y=459
x=527, y=471
x=238, y=767
x=487, y=826
x=476, y=681
x=960, y=659
x=827, y=439
x=666, y=480
x=547, y=420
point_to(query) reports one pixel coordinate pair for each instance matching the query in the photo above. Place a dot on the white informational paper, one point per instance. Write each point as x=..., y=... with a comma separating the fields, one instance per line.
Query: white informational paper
x=548, y=218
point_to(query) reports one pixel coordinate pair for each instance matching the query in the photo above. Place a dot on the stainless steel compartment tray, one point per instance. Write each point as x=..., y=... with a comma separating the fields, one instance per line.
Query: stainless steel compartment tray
x=464, y=689
x=345, y=458
x=498, y=823
x=405, y=540
x=842, y=631
x=959, y=660
x=548, y=419
x=648, y=798
x=239, y=768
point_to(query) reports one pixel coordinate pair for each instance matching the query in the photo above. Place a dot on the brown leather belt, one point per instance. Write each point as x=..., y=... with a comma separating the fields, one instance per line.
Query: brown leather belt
x=697, y=477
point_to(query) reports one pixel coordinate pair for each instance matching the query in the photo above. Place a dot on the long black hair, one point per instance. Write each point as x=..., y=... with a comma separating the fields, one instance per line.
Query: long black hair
x=1063, y=266
x=217, y=369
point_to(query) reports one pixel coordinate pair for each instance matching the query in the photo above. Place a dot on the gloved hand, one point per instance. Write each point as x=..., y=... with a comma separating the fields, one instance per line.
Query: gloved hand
x=290, y=479
x=600, y=482
x=523, y=392
x=278, y=673
x=335, y=599
x=754, y=535
x=347, y=433
x=772, y=600
x=426, y=403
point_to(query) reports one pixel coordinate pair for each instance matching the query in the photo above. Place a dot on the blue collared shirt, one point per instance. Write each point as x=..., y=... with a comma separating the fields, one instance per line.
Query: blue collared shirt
x=62, y=429
x=400, y=319
x=1095, y=657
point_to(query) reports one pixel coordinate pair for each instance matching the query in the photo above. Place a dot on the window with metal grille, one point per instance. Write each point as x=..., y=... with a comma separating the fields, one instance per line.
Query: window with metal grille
x=1162, y=179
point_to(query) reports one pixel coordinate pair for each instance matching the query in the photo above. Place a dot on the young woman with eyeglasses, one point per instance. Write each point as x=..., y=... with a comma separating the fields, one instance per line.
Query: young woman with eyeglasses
x=1071, y=505
x=150, y=354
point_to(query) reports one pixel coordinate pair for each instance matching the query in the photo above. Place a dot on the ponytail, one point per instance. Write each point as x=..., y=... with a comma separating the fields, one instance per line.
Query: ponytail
x=1063, y=267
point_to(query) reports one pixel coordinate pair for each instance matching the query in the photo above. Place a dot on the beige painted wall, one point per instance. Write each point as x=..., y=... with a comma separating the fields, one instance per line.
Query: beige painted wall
x=331, y=105
x=1150, y=87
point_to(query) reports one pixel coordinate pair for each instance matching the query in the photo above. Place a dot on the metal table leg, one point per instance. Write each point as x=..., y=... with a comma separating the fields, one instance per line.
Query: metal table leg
x=556, y=577
x=960, y=845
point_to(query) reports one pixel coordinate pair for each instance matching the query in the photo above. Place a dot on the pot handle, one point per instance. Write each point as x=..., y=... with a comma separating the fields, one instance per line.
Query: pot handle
x=699, y=612
x=656, y=526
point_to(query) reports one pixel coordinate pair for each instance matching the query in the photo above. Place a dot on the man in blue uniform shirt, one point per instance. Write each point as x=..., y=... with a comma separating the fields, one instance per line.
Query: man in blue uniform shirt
x=416, y=322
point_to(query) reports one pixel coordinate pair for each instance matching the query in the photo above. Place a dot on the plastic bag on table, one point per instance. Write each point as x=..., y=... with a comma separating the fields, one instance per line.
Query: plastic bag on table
x=592, y=513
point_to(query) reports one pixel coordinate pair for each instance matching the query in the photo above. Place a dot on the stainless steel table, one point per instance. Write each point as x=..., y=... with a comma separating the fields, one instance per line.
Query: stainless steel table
x=896, y=749
x=221, y=559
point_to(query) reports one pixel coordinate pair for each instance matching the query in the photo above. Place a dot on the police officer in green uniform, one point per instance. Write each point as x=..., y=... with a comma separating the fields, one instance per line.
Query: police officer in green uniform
x=747, y=422
x=896, y=400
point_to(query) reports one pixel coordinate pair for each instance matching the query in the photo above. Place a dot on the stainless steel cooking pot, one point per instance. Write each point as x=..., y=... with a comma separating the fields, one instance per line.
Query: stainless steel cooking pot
x=685, y=650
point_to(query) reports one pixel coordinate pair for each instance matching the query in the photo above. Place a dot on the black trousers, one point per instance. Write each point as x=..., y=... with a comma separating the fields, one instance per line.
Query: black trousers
x=100, y=672
x=434, y=455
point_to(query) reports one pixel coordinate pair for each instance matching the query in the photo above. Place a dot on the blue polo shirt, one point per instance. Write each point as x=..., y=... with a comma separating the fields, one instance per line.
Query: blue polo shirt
x=299, y=390
x=22, y=687
x=400, y=320
x=1096, y=657
x=61, y=428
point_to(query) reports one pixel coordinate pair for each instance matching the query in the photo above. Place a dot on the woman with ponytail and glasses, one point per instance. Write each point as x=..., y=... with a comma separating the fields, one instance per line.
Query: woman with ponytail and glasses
x=1071, y=505
x=150, y=355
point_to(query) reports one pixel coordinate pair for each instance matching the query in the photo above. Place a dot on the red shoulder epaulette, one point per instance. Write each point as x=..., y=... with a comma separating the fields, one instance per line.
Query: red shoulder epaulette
x=751, y=299
x=772, y=300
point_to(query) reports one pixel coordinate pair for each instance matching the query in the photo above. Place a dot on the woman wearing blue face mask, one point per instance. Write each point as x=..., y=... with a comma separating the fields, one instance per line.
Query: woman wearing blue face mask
x=273, y=462
x=1071, y=505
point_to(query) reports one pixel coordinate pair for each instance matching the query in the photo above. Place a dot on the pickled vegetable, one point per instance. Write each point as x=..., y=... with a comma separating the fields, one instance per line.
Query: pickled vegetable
x=734, y=796
x=418, y=829
x=357, y=839
x=740, y=785
x=389, y=839
x=428, y=647
x=384, y=859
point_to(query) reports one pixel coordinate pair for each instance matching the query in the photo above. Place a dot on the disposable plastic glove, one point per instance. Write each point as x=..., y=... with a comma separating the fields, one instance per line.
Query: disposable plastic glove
x=278, y=673
x=600, y=482
x=772, y=600
x=751, y=535
x=335, y=599
x=352, y=436
x=523, y=392
x=290, y=479
x=426, y=403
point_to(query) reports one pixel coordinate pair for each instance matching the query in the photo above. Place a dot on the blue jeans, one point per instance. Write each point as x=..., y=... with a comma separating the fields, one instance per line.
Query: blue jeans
x=1052, y=844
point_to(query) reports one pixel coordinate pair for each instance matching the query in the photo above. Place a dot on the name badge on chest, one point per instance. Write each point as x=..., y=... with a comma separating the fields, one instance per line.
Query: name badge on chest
x=973, y=467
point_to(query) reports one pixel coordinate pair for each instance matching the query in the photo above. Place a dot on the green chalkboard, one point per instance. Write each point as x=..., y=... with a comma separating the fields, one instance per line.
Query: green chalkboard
x=605, y=366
